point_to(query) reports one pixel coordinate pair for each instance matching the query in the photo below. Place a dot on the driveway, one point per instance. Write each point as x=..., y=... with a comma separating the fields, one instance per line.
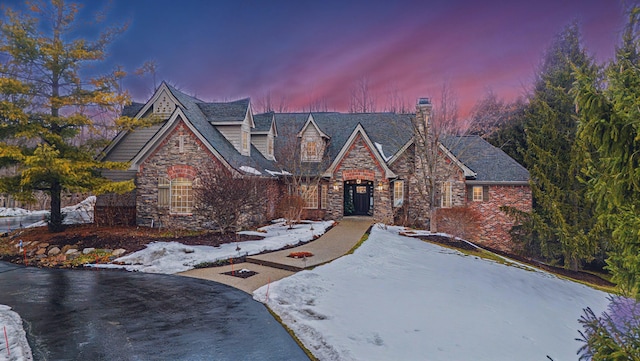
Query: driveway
x=116, y=315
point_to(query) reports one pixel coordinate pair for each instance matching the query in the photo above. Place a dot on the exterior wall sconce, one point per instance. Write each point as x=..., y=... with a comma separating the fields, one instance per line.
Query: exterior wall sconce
x=380, y=186
x=358, y=181
x=336, y=186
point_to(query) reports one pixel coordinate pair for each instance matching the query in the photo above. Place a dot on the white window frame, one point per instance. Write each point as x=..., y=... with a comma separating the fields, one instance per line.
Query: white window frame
x=245, y=140
x=324, y=196
x=446, y=196
x=309, y=192
x=475, y=196
x=181, y=196
x=398, y=193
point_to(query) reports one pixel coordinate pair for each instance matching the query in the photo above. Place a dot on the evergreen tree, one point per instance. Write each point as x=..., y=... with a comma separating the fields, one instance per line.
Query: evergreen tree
x=562, y=217
x=46, y=102
x=609, y=108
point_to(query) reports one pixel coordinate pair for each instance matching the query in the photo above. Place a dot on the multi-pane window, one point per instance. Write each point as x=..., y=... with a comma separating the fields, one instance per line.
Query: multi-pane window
x=163, y=192
x=181, y=143
x=477, y=193
x=445, y=194
x=311, y=150
x=270, y=147
x=398, y=193
x=245, y=140
x=310, y=195
x=181, y=196
x=324, y=196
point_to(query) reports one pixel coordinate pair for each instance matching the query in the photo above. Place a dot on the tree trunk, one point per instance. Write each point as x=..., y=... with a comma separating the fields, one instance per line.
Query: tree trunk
x=55, y=222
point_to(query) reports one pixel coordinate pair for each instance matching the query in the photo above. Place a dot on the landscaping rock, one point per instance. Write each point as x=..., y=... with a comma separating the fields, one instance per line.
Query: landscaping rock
x=71, y=251
x=54, y=251
x=88, y=250
x=119, y=252
x=41, y=251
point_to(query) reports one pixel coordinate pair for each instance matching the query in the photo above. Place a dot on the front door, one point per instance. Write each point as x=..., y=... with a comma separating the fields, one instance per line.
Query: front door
x=358, y=198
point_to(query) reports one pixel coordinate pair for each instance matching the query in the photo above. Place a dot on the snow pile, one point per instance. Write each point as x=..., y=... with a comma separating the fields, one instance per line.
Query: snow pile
x=399, y=298
x=11, y=323
x=76, y=214
x=173, y=257
x=13, y=212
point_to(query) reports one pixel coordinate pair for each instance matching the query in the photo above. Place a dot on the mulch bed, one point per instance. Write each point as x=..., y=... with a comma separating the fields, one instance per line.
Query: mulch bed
x=241, y=273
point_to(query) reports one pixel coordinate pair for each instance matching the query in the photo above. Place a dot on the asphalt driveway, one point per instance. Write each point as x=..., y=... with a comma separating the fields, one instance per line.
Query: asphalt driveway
x=116, y=315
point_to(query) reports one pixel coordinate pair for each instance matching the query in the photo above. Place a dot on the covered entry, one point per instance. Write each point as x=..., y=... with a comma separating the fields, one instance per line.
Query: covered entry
x=358, y=198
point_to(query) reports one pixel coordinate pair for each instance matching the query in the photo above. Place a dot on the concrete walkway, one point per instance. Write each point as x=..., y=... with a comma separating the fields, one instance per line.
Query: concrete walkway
x=276, y=265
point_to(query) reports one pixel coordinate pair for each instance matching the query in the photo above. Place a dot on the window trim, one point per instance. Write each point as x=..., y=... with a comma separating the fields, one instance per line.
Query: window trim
x=446, y=195
x=309, y=192
x=324, y=196
x=477, y=197
x=178, y=206
x=398, y=193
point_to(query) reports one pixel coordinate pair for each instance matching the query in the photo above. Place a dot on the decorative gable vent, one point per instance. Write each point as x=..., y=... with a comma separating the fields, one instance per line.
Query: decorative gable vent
x=164, y=106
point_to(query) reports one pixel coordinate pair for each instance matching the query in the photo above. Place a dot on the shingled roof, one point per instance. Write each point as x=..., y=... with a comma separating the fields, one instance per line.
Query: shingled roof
x=490, y=164
x=225, y=112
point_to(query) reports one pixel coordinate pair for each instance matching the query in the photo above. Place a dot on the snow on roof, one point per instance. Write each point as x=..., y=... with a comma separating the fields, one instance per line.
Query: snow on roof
x=250, y=170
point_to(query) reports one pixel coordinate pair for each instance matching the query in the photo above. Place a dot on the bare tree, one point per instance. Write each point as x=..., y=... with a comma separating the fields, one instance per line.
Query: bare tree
x=226, y=199
x=361, y=98
x=149, y=67
x=396, y=102
x=301, y=177
x=435, y=174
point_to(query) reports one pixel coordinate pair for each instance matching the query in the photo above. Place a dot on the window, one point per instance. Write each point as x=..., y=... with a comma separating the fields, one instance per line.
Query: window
x=310, y=196
x=245, y=140
x=181, y=196
x=310, y=150
x=477, y=194
x=324, y=196
x=446, y=195
x=398, y=193
x=270, y=147
x=163, y=192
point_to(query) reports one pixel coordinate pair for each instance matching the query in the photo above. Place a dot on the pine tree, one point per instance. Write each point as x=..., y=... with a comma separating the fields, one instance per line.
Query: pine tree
x=46, y=103
x=561, y=215
x=609, y=108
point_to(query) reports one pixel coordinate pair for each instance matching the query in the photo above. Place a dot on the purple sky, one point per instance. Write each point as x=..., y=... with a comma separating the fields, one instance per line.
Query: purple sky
x=304, y=51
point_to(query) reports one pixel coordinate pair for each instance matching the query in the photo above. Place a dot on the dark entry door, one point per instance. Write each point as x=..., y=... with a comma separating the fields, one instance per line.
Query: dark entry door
x=358, y=198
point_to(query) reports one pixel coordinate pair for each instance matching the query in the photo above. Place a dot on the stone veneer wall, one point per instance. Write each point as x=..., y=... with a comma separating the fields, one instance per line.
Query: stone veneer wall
x=495, y=224
x=169, y=162
x=360, y=163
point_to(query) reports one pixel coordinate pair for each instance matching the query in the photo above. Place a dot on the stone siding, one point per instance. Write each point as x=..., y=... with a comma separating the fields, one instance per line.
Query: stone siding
x=168, y=161
x=360, y=163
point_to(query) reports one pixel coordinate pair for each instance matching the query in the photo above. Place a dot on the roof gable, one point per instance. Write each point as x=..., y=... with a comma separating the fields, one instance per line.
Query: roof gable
x=311, y=122
x=359, y=130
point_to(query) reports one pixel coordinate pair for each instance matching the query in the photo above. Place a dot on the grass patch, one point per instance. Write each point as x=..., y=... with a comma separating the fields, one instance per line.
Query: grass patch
x=364, y=237
x=97, y=256
x=293, y=335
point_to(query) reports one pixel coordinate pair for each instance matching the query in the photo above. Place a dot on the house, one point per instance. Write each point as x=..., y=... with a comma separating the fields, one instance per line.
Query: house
x=369, y=164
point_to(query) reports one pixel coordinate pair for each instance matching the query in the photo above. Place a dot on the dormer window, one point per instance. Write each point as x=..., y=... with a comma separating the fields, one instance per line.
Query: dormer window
x=311, y=149
x=270, y=147
x=245, y=141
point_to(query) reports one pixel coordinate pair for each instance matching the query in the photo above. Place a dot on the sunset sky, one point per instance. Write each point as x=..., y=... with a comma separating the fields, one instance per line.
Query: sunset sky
x=305, y=51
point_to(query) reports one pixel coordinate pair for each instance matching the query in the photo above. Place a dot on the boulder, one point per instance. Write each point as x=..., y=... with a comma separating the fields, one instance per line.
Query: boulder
x=71, y=251
x=119, y=252
x=54, y=251
x=88, y=250
x=41, y=251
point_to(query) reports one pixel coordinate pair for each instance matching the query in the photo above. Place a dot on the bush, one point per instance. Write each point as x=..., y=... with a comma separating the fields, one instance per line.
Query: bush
x=615, y=335
x=461, y=222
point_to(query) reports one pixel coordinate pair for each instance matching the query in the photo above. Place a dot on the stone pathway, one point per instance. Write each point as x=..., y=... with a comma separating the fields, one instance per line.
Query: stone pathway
x=276, y=265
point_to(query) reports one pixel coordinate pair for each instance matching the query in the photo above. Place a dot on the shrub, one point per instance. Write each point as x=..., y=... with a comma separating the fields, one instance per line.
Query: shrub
x=461, y=222
x=615, y=335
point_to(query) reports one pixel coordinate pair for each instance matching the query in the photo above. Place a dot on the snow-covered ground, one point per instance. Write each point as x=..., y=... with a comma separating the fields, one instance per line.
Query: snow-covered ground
x=76, y=214
x=13, y=334
x=173, y=257
x=399, y=298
